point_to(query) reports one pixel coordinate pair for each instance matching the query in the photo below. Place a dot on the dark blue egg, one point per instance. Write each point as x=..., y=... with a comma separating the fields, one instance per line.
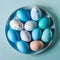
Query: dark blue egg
x=23, y=47
x=23, y=15
x=13, y=35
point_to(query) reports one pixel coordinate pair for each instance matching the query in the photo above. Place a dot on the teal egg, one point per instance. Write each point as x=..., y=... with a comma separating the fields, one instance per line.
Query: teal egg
x=13, y=35
x=23, y=15
x=22, y=46
x=36, y=34
x=44, y=22
x=47, y=35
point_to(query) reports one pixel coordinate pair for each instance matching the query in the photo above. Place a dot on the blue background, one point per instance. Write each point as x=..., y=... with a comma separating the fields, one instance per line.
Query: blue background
x=9, y=6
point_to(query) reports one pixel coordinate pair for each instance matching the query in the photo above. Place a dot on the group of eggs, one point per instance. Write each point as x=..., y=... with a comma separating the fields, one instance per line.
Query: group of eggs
x=31, y=31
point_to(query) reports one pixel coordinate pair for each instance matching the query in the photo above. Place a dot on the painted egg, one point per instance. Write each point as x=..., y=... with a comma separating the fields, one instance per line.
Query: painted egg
x=25, y=36
x=47, y=35
x=30, y=25
x=23, y=15
x=36, y=34
x=36, y=13
x=16, y=25
x=23, y=47
x=36, y=45
x=44, y=22
x=13, y=35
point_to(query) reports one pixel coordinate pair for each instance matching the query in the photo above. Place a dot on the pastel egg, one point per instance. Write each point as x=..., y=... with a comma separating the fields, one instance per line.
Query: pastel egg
x=13, y=35
x=44, y=22
x=16, y=24
x=36, y=45
x=36, y=13
x=25, y=36
x=23, y=15
x=47, y=35
x=23, y=47
x=36, y=34
x=30, y=25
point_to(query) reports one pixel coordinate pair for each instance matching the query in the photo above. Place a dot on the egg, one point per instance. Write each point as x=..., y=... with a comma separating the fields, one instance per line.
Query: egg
x=36, y=45
x=47, y=35
x=16, y=24
x=44, y=23
x=36, y=34
x=23, y=47
x=36, y=13
x=30, y=25
x=25, y=36
x=23, y=15
x=13, y=35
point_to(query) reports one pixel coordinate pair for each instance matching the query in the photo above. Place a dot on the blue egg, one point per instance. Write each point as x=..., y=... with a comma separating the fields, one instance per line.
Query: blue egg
x=44, y=22
x=23, y=47
x=47, y=35
x=13, y=35
x=36, y=34
x=23, y=15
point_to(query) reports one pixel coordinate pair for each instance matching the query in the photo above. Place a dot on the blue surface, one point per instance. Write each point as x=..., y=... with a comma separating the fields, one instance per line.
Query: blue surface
x=7, y=7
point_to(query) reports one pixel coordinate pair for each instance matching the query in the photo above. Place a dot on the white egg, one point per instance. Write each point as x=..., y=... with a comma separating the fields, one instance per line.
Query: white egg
x=36, y=13
x=16, y=24
x=30, y=25
x=25, y=36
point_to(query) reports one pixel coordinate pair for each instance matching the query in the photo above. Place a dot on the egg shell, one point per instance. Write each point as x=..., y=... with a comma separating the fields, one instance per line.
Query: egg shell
x=36, y=13
x=44, y=23
x=16, y=24
x=25, y=36
x=47, y=35
x=23, y=47
x=36, y=45
x=30, y=25
x=23, y=15
x=36, y=34
x=13, y=35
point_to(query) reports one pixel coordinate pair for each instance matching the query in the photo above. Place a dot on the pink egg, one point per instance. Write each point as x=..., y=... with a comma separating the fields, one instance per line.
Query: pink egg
x=36, y=45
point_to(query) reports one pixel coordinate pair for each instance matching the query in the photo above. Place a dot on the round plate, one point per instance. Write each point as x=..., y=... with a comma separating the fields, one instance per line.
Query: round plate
x=13, y=16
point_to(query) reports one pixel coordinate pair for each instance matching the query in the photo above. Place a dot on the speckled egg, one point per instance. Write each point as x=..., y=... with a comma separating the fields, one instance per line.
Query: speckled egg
x=36, y=45
x=30, y=25
x=13, y=35
x=44, y=23
x=23, y=15
x=36, y=34
x=16, y=24
x=47, y=35
x=36, y=13
x=23, y=47
x=25, y=36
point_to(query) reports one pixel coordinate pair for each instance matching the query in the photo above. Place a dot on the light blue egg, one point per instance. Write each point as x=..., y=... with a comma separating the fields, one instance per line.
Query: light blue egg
x=23, y=15
x=47, y=35
x=36, y=34
x=13, y=35
x=22, y=46
x=44, y=22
